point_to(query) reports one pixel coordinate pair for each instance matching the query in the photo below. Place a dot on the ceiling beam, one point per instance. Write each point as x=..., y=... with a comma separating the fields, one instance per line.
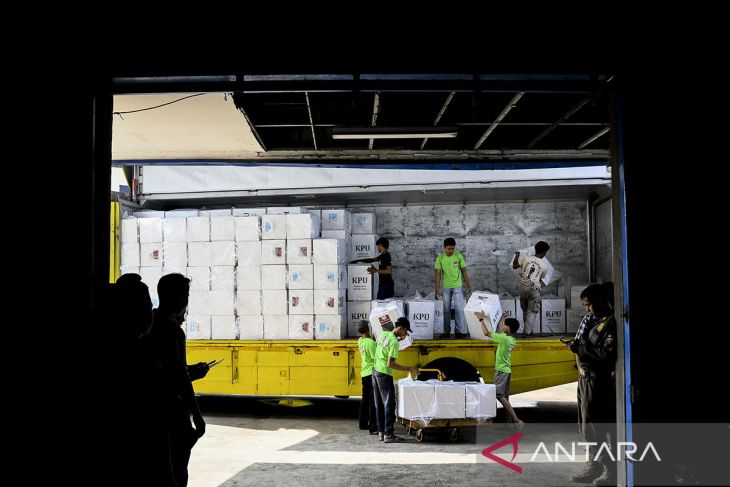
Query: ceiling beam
x=500, y=117
x=440, y=114
x=562, y=119
x=374, y=118
x=311, y=122
x=590, y=139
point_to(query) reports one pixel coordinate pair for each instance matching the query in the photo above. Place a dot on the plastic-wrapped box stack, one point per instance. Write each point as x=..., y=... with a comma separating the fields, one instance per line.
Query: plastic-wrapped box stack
x=329, y=256
x=360, y=285
x=428, y=400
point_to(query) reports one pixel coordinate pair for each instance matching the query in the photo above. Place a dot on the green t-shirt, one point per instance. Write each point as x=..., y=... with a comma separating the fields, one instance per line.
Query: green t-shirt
x=367, y=348
x=505, y=344
x=450, y=268
x=387, y=347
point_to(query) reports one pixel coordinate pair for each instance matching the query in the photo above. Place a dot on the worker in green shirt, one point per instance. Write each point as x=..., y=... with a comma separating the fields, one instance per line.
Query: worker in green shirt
x=503, y=364
x=450, y=268
x=386, y=354
x=367, y=348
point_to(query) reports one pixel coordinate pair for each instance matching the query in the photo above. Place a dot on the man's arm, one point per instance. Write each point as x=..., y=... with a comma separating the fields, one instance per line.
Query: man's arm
x=188, y=394
x=387, y=270
x=465, y=275
x=364, y=261
x=485, y=330
x=392, y=364
x=515, y=264
x=437, y=292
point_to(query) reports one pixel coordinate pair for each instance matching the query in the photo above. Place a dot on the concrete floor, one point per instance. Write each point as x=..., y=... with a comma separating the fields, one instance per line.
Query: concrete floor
x=257, y=441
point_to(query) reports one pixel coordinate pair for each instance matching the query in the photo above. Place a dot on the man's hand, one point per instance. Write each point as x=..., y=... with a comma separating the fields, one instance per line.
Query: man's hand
x=468, y=288
x=437, y=294
x=199, y=423
x=198, y=371
x=414, y=372
x=372, y=270
x=479, y=315
x=517, y=254
x=573, y=346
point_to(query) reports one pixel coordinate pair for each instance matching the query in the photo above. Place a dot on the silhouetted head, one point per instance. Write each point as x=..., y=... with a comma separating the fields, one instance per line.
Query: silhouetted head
x=541, y=248
x=173, y=291
x=131, y=306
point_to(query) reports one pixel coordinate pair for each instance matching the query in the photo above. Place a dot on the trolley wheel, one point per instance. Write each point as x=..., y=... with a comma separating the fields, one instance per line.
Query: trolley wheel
x=419, y=436
x=453, y=434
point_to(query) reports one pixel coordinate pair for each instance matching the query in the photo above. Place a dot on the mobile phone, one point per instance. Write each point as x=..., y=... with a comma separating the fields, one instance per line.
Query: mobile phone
x=213, y=363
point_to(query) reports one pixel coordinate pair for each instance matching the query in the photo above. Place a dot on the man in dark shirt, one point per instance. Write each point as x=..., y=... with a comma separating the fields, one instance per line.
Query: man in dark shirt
x=386, y=286
x=167, y=342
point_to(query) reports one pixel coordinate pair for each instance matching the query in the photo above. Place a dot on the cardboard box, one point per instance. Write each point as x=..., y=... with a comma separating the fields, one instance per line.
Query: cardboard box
x=356, y=311
x=130, y=255
x=330, y=276
x=198, y=228
x=181, y=214
x=248, y=302
x=329, y=302
x=299, y=251
x=273, y=227
x=304, y=225
x=222, y=278
x=212, y=213
x=301, y=302
x=221, y=303
x=223, y=252
x=149, y=214
x=575, y=301
x=247, y=228
x=416, y=399
x=328, y=251
x=175, y=254
x=199, y=254
x=198, y=327
x=273, y=277
x=151, y=276
x=175, y=230
x=275, y=302
x=552, y=316
x=481, y=400
x=276, y=327
x=363, y=247
x=488, y=304
x=223, y=327
x=573, y=319
x=338, y=234
x=273, y=252
x=438, y=317
x=248, y=254
x=330, y=327
x=250, y=327
x=222, y=228
x=363, y=223
x=199, y=278
x=198, y=303
x=301, y=327
x=450, y=400
x=300, y=276
x=359, y=283
x=248, y=211
x=151, y=254
x=150, y=230
x=248, y=279
x=337, y=220
x=283, y=210
x=383, y=316
x=128, y=231
x=421, y=315
x=397, y=302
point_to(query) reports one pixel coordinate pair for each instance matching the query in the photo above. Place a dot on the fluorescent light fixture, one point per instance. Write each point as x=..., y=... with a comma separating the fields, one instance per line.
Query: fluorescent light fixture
x=394, y=133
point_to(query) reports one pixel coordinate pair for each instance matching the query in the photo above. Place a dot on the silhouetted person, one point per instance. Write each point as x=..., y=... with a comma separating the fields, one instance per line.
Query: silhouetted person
x=168, y=343
x=135, y=400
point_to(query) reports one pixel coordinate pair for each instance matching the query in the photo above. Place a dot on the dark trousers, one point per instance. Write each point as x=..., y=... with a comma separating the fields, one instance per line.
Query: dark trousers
x=367, y=406
x=182, y=439
x=384, y=402
x=386, y=290
x=597, y=408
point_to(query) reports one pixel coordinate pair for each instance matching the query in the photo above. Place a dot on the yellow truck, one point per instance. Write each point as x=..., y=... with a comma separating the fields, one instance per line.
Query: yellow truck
x=332, y=368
